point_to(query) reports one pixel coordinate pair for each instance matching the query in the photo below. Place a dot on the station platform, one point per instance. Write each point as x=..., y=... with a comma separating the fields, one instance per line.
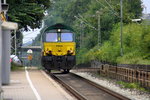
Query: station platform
x=33, y=84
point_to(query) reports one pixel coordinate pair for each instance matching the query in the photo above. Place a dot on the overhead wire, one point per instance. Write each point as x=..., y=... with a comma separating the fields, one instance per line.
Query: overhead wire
x=86, y=23
x=101, y=3
x=109, y=5
x=112, y=9
x=116, y=13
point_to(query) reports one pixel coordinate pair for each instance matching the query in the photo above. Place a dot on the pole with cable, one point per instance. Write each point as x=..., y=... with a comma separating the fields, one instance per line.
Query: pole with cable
x=99, y=40
x=81, y=32
x=99, y=29
x=121, y=26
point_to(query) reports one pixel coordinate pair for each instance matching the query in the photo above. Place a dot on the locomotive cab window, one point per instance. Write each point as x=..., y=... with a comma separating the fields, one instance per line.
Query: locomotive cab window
x=51, y=37
x=66, y=37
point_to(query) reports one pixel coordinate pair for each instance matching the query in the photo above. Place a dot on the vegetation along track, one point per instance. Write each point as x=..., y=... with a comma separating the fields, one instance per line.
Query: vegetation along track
x=84, y=89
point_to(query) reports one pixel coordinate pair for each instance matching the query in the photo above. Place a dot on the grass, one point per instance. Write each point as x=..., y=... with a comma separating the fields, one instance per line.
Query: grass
x=40, y=68
x=15, y=67
x=132, y=86
x=126, y=85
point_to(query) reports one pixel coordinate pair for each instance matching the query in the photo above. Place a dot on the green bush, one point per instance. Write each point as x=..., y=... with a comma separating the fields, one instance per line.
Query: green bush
x=130, y=58
x=136, y=47
x=131, y=86
x=16, y=67
x=81, y=55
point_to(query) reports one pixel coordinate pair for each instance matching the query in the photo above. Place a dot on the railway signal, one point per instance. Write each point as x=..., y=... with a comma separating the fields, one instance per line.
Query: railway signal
x=30, y=57
x=30, y=52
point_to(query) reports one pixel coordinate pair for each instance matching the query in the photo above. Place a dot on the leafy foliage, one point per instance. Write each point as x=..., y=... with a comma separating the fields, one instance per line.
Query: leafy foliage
x=15, y=67
x=27, y=12
x=135, y=46
x=132, y=86
x=82, y=15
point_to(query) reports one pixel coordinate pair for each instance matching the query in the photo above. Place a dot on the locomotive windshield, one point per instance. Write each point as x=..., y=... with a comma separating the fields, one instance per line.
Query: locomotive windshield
x=59, y=37
x=66, y=37
x=51, y=37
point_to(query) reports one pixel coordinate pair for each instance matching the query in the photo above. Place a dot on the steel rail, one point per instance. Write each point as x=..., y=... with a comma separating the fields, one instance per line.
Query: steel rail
x=78, y=95
x=115, y=94
x=69, y=88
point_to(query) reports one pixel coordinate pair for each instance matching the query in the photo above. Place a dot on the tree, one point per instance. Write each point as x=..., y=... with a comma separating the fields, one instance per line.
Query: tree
x=55, y=12
x=27, y=13
x=65, y=12
x=73, y=9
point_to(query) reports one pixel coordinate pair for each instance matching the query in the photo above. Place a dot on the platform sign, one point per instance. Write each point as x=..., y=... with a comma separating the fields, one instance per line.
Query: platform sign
x=2, y=16
x=29, y=51
x=30, y=57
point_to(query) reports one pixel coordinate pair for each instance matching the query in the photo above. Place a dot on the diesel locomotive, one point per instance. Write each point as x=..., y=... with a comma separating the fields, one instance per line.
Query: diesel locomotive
x=58, y=48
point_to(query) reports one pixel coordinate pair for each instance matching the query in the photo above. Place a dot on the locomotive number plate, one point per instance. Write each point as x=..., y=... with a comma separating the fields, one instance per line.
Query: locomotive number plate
x=59, y=45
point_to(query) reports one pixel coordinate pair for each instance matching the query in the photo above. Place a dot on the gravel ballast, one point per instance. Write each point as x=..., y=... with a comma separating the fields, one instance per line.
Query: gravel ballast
x=132, y=94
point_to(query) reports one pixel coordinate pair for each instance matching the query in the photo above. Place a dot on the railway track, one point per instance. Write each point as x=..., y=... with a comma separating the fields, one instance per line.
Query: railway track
x=84, y=89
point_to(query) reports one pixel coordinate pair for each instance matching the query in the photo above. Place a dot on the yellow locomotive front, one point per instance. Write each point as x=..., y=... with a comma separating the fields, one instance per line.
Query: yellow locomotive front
x=58, y=48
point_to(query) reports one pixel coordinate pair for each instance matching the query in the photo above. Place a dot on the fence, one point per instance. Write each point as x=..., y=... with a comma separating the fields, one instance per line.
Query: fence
x=126, y=74
x=121, y=73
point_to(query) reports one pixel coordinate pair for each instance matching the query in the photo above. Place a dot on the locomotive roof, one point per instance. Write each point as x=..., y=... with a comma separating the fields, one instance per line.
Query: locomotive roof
x=58, y=26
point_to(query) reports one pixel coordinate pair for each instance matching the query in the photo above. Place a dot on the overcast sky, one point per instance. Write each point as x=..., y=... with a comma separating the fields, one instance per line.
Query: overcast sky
x=28, y=36
x=147, y=6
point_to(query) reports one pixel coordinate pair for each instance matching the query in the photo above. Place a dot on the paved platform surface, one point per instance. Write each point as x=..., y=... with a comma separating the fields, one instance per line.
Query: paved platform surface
x=33, y=84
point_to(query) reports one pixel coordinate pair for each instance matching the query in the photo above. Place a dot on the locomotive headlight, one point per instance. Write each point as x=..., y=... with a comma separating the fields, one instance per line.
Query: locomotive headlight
x=47, y=52
x=59, y=30
x=70, y=52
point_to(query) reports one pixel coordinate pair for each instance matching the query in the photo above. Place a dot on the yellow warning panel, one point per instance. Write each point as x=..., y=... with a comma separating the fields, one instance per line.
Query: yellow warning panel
x=29, y=57
x=3, y=18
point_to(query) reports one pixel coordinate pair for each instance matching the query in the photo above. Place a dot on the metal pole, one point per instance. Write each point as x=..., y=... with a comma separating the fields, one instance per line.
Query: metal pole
x=0, y=54
x=121, y=25
x=4, y=1
x=6, y=56
x=81, y=26
x=15, y=43
x=99, y=29
x=82, y=35
x=5, y=11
